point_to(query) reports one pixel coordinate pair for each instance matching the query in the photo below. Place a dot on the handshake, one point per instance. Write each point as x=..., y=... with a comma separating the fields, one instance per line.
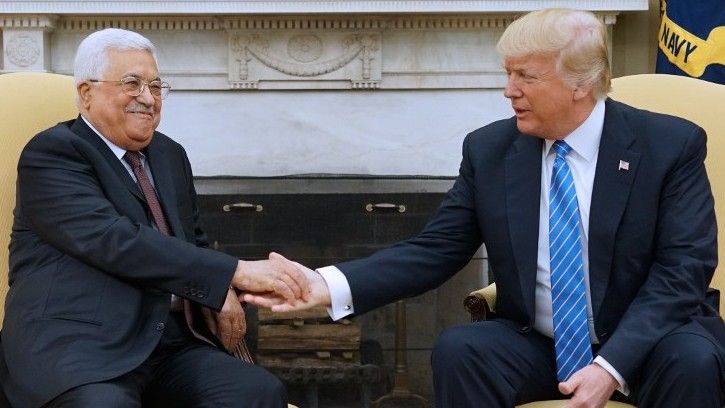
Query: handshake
x=280, y=284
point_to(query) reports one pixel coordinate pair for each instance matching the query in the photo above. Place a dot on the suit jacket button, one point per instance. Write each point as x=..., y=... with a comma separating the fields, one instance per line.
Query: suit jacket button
x=525, y=329
x=160, y=326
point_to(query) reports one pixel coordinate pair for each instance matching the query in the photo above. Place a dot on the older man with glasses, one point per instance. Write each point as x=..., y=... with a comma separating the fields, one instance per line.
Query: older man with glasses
x=114, y=299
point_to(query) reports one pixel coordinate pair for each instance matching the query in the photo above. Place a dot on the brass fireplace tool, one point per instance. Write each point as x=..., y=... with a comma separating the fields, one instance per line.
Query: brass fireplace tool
x=400, y=391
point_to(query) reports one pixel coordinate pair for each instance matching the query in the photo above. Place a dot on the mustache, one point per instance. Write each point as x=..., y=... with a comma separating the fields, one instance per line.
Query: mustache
x=140, y=109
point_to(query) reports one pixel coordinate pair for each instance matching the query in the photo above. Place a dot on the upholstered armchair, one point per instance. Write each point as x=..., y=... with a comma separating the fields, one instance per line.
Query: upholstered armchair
x=699, y=101
x=30, y=102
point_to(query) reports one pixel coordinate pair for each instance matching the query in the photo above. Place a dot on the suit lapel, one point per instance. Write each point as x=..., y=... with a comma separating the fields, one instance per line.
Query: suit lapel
x=610, y=193
x=80, y=128
x=523, y=192
x=162, y=170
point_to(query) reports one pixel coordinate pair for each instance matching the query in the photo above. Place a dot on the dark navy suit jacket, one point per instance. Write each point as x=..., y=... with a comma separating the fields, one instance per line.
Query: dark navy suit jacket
x=652, y=233
x=90, y=279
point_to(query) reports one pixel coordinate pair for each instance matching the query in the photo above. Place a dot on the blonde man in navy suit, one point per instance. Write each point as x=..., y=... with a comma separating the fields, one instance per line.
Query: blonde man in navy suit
x=645, y=242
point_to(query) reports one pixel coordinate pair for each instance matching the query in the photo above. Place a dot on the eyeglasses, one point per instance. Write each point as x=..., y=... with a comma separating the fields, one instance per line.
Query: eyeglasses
x=133, y=86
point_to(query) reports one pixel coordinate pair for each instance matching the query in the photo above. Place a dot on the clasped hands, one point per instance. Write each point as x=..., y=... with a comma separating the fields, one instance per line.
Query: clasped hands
x=280, y=285
x=276, y=283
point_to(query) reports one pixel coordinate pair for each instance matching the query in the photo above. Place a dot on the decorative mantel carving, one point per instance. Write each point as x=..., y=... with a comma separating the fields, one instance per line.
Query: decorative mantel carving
x=25, y=41
x=22, y=50
x=305, y=56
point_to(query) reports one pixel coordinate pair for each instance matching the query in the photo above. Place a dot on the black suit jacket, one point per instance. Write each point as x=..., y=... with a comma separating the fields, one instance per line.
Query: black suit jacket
x=652, y=232
x=90, y=279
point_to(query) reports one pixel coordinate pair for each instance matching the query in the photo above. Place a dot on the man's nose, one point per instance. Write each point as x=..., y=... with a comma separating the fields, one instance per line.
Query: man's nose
x=145, y=97
x=511, y=90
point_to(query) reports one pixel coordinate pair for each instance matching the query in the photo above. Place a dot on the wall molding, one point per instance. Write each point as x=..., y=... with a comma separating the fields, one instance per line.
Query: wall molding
x=44, y=22
x=266, y=23
x=140, y=23
x=306, y=6
x=270, y=23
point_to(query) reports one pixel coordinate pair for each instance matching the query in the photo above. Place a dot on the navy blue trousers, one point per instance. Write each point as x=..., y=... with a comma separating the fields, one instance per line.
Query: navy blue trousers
x=182, y=372
x=490, y=364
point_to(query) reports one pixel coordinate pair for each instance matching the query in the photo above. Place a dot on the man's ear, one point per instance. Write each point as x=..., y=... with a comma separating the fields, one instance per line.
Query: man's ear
x=582, y=91
x=84, y=94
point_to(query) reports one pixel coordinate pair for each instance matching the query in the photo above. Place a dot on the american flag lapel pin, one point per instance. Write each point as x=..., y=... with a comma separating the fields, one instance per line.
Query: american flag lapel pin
x=623, y=165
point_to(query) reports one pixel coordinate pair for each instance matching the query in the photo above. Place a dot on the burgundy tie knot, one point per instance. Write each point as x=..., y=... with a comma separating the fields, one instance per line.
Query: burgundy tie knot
x=133, y=159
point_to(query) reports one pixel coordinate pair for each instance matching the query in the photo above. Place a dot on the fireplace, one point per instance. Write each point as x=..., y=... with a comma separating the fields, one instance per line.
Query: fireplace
x=319, y=221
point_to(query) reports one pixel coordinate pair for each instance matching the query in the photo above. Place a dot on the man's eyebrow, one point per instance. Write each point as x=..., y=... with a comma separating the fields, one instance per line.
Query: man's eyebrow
x=139, y=76
x=519, y=70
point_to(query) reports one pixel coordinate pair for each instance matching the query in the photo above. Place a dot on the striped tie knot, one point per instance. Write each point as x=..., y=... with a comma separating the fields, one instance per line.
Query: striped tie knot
x=561, y=148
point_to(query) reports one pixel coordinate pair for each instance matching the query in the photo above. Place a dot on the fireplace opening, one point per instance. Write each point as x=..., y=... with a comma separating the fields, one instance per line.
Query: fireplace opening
x=320, y=221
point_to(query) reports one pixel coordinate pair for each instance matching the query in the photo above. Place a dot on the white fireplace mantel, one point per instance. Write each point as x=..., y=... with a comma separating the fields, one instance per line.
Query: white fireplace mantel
x=307, y=6
x=268, y=88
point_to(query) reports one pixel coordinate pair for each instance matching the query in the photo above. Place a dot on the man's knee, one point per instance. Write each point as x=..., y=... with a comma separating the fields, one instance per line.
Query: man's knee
x=682, y=370
x=257, y=388
x=269, y=389
x=467, y=347
x=684, y=360
x=471, y=339
x=451, y=346
x=96, y=395
x=700, y=363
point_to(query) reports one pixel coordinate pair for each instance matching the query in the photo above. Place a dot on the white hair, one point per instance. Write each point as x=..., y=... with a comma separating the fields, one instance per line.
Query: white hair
x=577, y=38
x=92, y=56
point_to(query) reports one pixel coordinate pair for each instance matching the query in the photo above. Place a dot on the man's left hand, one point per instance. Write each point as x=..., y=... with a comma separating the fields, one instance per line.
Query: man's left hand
x=228, y=325
x=589, y=387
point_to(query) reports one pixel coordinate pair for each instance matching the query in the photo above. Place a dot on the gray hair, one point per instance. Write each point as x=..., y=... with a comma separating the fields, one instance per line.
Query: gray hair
x=577, y=38
x=92, y=56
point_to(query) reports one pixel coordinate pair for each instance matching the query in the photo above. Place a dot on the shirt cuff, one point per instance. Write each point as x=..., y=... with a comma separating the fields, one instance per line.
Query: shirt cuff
x=623, y=387
x=340, y=294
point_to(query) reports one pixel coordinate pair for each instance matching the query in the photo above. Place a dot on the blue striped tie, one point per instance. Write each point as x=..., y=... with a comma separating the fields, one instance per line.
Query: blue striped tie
x=571, y=331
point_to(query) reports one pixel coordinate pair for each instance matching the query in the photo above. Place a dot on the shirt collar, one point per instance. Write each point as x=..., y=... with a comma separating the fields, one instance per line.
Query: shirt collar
x=119, y=152
x=585, y=139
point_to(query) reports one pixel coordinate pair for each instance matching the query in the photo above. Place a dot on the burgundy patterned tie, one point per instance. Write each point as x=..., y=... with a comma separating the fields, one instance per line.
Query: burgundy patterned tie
x=134, y=160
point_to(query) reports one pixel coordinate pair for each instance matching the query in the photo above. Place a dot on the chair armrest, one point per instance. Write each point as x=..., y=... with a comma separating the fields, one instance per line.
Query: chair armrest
x=481, y=304
x=712, y=296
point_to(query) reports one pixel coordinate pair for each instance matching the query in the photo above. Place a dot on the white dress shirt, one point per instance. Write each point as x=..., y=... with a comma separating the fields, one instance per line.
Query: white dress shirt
x=120, y=152
x=582, y=161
